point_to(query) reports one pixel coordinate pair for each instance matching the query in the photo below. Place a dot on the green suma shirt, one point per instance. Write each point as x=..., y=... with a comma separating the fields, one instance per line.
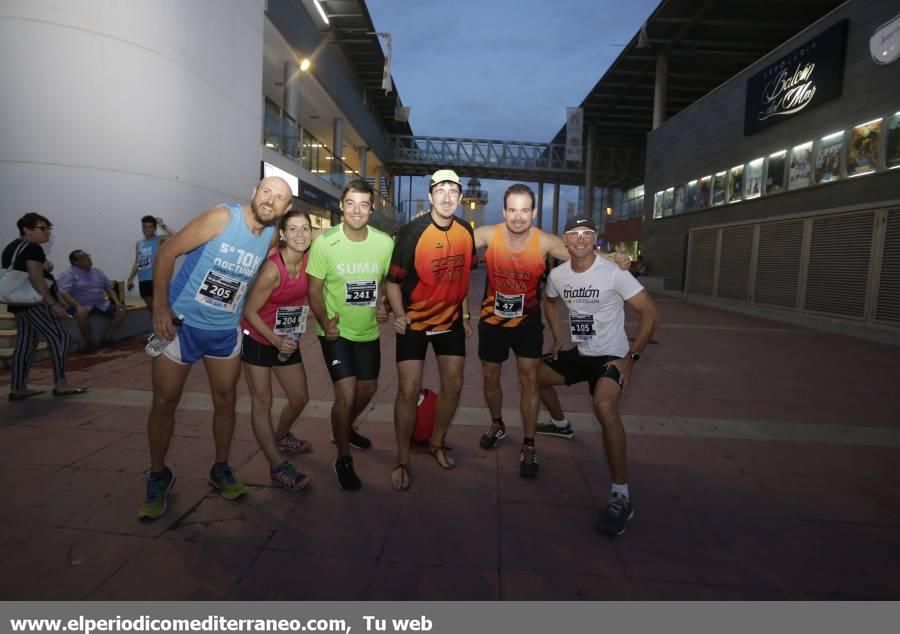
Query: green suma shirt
x=352, y=273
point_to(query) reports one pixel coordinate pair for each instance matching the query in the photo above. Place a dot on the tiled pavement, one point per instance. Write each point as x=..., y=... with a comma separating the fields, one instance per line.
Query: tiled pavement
x=764, y=458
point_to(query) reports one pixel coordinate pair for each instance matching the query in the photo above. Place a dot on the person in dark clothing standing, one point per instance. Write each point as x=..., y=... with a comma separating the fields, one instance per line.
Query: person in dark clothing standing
x=43, y=318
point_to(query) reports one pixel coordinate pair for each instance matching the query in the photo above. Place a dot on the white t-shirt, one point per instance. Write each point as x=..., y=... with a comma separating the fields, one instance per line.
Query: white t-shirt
x=596, y=303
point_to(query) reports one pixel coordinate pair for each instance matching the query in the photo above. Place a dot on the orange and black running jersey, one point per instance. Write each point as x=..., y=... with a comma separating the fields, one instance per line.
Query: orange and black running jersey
x=511, y=293
x=432, y=266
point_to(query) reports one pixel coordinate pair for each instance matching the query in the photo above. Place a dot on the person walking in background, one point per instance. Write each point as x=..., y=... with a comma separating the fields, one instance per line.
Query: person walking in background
x=144, y=257
x=274, y=318
x=42, y=318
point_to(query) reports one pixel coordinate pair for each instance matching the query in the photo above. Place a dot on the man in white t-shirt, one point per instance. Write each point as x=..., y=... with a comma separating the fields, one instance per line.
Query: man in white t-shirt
x=595, y=292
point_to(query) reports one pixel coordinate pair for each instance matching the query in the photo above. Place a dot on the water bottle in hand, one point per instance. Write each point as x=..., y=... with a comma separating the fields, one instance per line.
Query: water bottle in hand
x=284, y=356
x=156, y=344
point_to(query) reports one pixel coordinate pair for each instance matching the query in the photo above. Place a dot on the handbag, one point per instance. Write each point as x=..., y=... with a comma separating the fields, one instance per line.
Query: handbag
x=15, y=286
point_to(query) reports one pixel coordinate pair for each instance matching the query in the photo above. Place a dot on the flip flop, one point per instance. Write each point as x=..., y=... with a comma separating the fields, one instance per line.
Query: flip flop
x=22, y=397
x=404, y=477
x=70, y=391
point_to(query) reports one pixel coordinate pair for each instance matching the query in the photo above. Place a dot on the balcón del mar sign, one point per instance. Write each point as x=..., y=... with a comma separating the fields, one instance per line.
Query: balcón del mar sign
x=808, y=76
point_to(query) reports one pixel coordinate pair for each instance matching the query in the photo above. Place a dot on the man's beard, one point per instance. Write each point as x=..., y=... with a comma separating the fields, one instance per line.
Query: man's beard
x=264, y=222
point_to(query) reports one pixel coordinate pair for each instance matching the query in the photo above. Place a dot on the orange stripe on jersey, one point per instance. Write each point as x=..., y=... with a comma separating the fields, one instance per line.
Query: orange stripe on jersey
x=516, y=276
x=432, y=266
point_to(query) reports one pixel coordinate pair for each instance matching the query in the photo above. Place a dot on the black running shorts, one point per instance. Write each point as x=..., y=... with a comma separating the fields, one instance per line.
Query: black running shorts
x=525, y=340
x=265, y=355
x=575, y=368
x=413, y=346
x=345, y=358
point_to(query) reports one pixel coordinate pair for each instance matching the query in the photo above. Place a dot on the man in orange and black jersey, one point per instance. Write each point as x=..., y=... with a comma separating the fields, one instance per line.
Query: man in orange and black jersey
x=515, y=260
x=427, y=287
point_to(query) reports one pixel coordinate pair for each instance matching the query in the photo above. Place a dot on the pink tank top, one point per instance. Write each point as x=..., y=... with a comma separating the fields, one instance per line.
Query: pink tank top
x=289, y=292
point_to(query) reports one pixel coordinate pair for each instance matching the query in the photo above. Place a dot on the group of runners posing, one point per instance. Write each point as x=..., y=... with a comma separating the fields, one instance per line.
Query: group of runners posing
x=237, y=300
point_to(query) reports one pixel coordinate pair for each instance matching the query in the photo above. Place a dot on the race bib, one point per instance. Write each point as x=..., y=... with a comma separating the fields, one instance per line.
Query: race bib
x=290, y=320
x=582, y=327
x=509, y=306
x=220, y=291
x=143, y=261
x=361, y=293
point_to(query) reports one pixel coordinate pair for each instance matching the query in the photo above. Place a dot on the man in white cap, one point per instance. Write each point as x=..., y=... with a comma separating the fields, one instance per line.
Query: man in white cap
x=595, y=292
x=427, y=287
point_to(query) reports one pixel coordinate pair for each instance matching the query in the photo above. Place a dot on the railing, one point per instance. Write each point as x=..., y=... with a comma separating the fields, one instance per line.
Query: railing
x=480, y=153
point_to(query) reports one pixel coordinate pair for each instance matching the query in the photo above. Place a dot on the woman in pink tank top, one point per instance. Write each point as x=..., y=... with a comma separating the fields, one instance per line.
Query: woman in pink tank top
x=273, y=321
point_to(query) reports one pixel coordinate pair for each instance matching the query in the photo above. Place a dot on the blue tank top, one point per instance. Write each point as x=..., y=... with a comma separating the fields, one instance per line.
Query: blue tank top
x=210, y=288
x=146, y=254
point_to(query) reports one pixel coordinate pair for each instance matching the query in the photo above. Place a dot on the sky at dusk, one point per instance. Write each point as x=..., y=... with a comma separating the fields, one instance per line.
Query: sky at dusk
x=501, y=69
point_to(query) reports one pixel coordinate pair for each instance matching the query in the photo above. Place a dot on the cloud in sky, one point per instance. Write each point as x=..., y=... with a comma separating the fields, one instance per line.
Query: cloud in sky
x=501, y=69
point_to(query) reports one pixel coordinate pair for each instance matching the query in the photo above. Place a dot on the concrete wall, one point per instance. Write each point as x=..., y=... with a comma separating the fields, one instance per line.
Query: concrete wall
x=117, y=109
x=708, y=137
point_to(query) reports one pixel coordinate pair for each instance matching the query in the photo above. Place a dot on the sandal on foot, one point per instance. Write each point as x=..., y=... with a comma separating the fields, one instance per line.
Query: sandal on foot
x=403, y=483
x=440, y=456
x=23, y=395
x=70, y=391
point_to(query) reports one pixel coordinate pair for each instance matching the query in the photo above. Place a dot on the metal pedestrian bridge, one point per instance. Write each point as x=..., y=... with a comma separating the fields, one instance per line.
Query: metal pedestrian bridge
x=506, y=160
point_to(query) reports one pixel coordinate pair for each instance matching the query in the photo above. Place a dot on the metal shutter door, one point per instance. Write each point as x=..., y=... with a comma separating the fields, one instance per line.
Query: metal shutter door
x=888, y=307
x=734, y=263
x=778, y=263
x=839, y=258
x=702, y=262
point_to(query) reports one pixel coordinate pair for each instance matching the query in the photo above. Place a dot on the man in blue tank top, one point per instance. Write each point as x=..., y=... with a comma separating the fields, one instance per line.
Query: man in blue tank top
x=199, y=314
x=144, y=257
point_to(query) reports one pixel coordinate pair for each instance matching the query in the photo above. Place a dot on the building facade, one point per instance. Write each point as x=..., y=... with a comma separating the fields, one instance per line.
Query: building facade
x=780, y=190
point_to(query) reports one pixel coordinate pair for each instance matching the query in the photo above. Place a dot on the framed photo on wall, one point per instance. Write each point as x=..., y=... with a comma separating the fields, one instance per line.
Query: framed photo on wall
x=679, y=199
x=704, y=191
x=690, y=196
x=828, y=157
x=718, y=194
x=892, y=153
x=668, y=201
x=863, y=149
x=753, y=179
x=775, y=173
x=800, y=173
x=736, y=184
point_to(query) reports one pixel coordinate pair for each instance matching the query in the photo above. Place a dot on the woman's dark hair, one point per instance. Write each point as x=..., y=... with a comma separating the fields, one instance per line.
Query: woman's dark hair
x=30, y=221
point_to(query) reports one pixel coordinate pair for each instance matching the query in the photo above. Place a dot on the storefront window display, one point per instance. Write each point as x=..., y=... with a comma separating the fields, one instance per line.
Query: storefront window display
x=753, y=179
x=775, y=173
x=718, y=190
x=736, y=184
x=862, y=152
x=801, y=166
x=828, y=157
x=892, y=154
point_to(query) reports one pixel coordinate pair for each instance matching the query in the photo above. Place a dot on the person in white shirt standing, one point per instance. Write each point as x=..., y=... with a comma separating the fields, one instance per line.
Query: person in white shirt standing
x=595, y=291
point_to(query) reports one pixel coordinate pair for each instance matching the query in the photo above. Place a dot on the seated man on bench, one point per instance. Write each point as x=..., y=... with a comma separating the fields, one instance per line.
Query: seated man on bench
x=88, y=292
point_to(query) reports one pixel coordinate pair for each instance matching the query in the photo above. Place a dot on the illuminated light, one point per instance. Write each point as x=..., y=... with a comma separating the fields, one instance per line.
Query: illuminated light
x=834, y=135
x=804, y=146
x=270, y=144
x=720, y=173
x=609, y=211
x=865, y=173
x=777, y=154
x=862, y=125
x=305, y=63
x=693, y=182
x=472, y=205
x=756, y=161
x=672, y=189
x=321, y=10
x=737, y=167
x=705, y=178
x=895, y=167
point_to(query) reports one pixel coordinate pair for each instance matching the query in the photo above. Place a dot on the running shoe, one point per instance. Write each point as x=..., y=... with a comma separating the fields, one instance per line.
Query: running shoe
x=222, y=479
x=618, y=511
x=158, y=489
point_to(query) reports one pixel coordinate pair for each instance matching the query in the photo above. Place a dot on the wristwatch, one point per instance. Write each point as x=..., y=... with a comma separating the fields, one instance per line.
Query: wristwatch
x=635, y=356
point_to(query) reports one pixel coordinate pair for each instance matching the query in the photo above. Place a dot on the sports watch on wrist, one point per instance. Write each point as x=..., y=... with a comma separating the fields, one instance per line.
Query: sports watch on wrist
x=634, y=356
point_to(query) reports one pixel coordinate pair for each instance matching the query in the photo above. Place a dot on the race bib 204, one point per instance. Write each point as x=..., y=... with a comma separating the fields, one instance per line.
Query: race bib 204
x=290, y=320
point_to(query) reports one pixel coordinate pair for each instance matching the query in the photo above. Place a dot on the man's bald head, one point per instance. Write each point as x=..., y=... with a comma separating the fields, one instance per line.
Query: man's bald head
x=272, y=197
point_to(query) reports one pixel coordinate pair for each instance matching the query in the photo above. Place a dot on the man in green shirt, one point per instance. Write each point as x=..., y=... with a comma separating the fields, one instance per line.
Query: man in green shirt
x=346, y=267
